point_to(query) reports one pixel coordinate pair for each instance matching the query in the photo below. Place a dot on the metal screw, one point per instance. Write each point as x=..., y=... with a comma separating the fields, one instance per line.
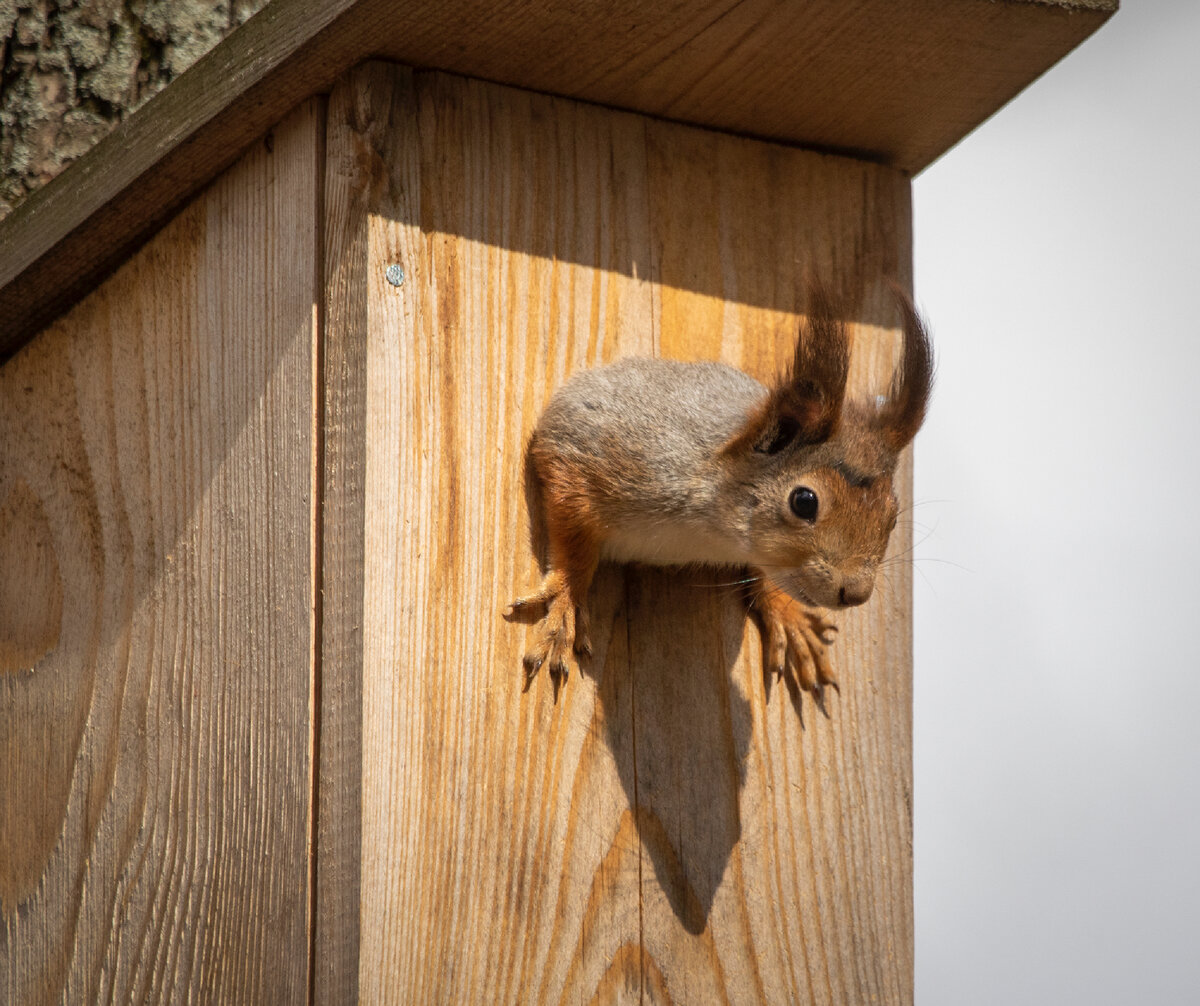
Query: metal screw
x=394, y=275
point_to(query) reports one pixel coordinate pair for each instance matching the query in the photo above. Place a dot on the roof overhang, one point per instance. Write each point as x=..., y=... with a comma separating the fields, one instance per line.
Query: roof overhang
x=892, y=81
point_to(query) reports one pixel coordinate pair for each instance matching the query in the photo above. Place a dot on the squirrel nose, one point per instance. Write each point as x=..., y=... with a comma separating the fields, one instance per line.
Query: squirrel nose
x=856, y=591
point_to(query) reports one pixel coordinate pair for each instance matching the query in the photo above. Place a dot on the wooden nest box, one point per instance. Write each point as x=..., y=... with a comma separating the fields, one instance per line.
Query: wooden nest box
x=272, y=352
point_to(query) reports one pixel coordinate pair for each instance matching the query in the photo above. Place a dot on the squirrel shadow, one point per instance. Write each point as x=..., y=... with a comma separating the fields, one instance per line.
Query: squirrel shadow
x=677, y=723
x=675, y=719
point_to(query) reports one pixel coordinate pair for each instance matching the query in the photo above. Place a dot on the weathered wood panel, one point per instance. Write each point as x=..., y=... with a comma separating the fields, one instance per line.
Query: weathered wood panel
x=670, y=828
x=156, y=611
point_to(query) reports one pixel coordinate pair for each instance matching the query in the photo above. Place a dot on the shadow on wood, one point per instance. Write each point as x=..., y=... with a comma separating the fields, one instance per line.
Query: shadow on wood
x=655, y=181
x=667, y=642
x=675, y=639
x=156, y=461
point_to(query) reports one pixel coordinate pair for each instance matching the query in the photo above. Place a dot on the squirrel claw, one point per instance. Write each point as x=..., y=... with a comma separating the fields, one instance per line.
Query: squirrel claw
x=560, y=632
x=796, y=637
x=531, y=665
x=523, y=607
x=583, y=641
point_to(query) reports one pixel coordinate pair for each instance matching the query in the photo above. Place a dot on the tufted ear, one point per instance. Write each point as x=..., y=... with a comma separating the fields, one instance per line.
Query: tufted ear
x=899, y=418
x=805, y=403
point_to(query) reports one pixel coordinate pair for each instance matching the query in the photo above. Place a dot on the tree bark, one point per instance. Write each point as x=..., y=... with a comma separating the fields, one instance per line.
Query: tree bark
x=71, y=72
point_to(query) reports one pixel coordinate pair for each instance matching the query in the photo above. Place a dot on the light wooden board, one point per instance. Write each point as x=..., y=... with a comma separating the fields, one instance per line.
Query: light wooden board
x=156, y=607
x=669, y=829
x=897, y=82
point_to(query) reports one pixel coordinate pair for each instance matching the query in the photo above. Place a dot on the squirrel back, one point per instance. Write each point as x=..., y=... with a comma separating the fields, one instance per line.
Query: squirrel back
x=677, y=463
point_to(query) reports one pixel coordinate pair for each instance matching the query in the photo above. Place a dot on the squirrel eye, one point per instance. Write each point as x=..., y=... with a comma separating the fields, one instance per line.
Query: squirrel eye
x=803, y=502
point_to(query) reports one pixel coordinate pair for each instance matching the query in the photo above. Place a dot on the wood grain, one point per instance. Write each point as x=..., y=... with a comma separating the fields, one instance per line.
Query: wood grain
x=156, y=488
x=369, y=173
x=895, y=82
x=669, y=828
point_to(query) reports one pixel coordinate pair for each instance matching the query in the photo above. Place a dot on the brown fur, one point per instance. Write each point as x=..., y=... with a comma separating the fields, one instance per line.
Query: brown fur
x=806, y=402
x=671, y=463
x=904, y=412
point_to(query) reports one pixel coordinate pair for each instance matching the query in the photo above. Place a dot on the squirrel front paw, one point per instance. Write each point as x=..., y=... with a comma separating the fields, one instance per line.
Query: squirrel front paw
x=796, y=640
x=561, y=631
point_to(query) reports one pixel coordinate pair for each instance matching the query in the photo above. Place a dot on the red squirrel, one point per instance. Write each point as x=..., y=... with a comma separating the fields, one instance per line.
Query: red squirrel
x=669, y=463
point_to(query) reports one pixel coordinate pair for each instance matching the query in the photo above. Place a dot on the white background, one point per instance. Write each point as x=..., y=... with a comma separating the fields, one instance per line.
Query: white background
x=1057, y=718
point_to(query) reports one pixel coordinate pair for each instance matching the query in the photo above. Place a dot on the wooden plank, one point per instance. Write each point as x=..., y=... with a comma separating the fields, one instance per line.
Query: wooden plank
x=796, y=881
x=369, y=173
x=893, y=82
x=156, y=486
x=668, y=829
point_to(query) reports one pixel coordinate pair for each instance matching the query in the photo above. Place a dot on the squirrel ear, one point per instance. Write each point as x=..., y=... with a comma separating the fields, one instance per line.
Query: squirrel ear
x=805, y=404
x=902, y=414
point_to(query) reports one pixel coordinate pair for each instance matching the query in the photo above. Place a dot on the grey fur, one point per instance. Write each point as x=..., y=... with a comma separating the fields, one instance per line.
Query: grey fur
x=671, y=463
x=665, y=408
x=667, y=421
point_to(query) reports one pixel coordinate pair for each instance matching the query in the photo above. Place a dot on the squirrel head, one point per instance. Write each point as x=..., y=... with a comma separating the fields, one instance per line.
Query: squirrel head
x=813, y=473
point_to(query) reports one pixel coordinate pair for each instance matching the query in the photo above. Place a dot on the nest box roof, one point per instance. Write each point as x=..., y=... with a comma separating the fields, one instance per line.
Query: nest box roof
x=893, y=81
